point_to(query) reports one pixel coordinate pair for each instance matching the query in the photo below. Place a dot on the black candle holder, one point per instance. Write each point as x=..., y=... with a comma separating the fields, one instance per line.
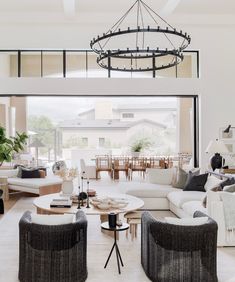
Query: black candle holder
x=79, y=204
x=88, y=200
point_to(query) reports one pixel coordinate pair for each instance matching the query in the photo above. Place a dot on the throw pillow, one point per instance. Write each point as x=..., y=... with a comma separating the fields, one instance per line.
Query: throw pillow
x=186, y=221
x=192, y=173
x=196, y=183
x=10, y=173
x=160, y=176
x=215, y=189
x=52, y=219
x=29, y=173
x=212, y=182
x=229, y=188
x=180, y=178
x=227, y=182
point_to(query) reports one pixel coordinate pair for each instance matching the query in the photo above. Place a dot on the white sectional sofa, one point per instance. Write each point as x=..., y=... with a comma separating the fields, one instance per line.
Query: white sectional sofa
x=182, y=203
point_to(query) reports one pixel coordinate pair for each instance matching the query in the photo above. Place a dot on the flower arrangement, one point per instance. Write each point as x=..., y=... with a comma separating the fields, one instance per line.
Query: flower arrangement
x=67, y=174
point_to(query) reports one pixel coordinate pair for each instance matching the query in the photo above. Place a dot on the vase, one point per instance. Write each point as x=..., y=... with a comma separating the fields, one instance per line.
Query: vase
x=67, y=187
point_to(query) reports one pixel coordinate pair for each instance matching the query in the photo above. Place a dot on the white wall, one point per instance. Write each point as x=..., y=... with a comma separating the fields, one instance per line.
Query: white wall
x=215, y=87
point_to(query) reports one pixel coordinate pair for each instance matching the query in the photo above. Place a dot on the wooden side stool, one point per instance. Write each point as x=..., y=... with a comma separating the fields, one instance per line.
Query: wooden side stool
x=133, y=219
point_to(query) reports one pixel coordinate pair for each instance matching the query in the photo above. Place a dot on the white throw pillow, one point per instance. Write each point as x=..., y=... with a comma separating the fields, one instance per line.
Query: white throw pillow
x=10, y=173
x=160, y=176
x=212, y=182
x=43, y=219
x=186, y=221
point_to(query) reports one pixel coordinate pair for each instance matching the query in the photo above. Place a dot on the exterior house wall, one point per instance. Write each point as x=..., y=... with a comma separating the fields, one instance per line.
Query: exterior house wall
x=116, y=138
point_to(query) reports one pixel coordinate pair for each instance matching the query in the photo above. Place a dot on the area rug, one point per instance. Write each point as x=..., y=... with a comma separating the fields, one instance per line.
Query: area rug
x=99, y=246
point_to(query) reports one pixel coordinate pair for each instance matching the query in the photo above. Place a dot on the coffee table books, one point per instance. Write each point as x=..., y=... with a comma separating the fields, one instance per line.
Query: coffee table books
x=61, y=203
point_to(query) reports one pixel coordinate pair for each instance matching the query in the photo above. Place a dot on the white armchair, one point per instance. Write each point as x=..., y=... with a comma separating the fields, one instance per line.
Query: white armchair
x=89, y=171
x=216, y=211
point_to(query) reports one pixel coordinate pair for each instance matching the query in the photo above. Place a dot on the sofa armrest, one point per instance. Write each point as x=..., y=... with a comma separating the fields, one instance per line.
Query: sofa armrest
x=216, y=211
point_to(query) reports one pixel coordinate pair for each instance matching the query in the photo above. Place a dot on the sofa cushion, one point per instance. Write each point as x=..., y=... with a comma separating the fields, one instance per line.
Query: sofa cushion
x=212, y=182
x=186, y=221
x=192, y=206
x=34, y=182
x=148, y=190
x=8, y=172
x=178, y=198
x=196, y=183
x=52, y=219
x=160, y=176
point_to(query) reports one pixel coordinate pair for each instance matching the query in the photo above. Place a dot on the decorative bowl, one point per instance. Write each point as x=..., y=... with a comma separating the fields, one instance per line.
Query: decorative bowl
x=103, y=206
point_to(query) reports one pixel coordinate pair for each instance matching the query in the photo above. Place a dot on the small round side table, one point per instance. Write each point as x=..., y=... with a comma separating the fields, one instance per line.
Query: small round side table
x=124, y=226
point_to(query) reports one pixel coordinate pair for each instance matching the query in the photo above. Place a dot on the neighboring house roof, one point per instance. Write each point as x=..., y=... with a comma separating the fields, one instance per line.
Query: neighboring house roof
x=161, y=106
x=105, y=124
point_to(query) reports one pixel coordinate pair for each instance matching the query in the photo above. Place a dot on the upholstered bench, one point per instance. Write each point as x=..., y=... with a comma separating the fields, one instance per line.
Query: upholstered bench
x=40, y=186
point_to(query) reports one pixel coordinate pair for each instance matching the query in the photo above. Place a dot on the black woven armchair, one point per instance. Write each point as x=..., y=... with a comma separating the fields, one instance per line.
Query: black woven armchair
x=173, y=253
x=55, y=253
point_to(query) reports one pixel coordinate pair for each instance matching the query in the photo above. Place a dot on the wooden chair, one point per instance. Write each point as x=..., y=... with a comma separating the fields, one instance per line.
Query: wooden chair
x=153, y=162
x=104, y=163
x=138, y=164
x=120, y=164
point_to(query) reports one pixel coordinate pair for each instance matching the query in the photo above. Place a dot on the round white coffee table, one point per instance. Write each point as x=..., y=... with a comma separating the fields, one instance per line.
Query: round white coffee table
x=42, y=204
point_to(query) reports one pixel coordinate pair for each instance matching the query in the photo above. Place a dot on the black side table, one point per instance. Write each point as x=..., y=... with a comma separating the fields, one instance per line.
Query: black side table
x=105, y=226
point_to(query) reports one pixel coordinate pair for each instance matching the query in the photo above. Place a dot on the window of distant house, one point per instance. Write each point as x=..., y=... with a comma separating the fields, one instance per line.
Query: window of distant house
x=101, y=142
x=127, y=115
x=84, y=141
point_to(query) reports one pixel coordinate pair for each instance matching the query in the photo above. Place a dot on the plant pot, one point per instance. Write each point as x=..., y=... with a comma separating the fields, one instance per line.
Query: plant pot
x=67, y=187
x=135, y=154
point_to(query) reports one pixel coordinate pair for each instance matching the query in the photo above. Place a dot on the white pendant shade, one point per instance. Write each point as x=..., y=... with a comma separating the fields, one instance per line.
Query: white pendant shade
x=216, y=146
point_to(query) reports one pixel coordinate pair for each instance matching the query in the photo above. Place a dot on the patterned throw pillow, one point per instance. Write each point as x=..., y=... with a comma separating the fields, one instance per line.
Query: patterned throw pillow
x=227, y=182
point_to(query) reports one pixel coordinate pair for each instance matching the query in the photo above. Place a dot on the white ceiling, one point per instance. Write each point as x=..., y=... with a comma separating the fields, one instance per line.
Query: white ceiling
x=93, y=12
x=113, y=6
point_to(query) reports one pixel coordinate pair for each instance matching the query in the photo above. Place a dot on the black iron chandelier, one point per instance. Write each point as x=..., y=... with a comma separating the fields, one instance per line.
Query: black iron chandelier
x=153, y=44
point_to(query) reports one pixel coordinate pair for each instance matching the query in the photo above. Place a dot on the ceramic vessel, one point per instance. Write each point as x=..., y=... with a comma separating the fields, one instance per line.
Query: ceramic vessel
x=67, y=187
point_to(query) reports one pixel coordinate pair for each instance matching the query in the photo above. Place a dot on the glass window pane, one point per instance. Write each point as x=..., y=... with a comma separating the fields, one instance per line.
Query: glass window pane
x=76, y=64
x=169, y=72
x=94, y=70
x=52, y=64
x=8, y=64
x=188, y=68
x=31, y=64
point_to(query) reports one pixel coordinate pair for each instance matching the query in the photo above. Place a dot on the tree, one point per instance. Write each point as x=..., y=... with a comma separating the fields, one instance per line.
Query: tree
x=44, y=128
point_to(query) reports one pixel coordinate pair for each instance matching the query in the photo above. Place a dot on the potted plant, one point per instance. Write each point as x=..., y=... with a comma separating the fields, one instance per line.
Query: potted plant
x=139, y=145
x=10, y=146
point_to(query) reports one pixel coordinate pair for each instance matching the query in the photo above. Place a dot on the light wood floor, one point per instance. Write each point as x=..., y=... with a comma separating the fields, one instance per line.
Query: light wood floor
x=99, y=245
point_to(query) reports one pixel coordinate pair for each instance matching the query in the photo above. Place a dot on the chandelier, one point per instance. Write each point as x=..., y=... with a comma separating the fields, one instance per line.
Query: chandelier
x=151, y=44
